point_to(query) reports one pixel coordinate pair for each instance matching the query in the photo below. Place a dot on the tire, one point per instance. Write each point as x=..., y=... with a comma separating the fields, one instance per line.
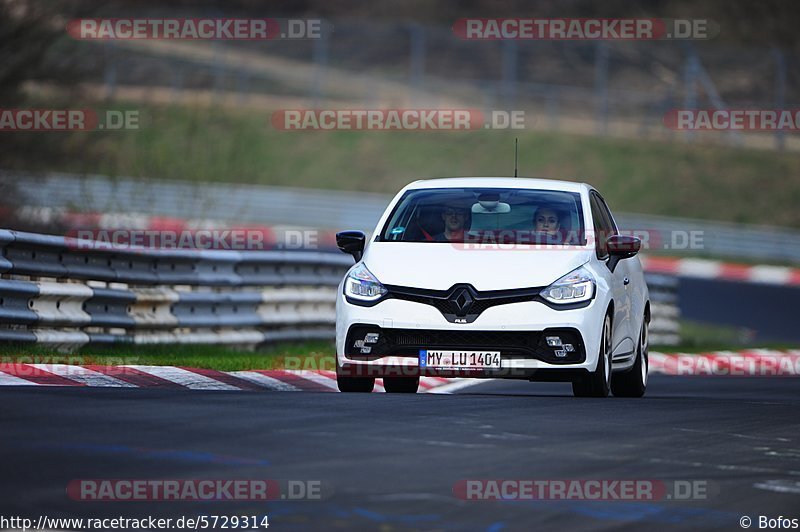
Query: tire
x=401, y=384
x=598, y=382
x=633, y=382
x=354, y=384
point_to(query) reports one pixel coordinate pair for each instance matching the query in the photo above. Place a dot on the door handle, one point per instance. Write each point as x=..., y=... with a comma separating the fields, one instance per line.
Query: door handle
x=626, y=281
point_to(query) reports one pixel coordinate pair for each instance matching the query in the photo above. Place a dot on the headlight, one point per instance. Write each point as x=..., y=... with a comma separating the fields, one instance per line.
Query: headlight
x=576, y=286
x=362, y=285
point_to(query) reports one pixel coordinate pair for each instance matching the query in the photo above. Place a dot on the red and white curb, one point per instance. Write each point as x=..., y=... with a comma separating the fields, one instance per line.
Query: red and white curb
x=751, y=362
x=172, y=377
x=712, y=269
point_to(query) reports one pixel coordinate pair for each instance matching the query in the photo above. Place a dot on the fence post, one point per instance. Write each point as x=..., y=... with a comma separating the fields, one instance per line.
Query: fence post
x=218, y=67
x=177, y=82
x=690, y=91
x=417, y=58
x=780, y=93
x=509, y=73
x=553, y=108
x=601, y=88
x=320, y=58
x=243, y=85
x=111, y=70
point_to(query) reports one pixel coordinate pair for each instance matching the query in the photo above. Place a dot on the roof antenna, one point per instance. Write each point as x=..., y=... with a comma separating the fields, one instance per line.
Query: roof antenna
x=516, y=151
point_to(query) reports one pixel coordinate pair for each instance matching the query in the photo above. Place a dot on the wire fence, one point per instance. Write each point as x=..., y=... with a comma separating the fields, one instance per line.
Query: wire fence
x=599, y=87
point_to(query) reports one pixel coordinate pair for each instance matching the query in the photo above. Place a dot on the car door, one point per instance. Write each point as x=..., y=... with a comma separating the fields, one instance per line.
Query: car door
x=604, y=227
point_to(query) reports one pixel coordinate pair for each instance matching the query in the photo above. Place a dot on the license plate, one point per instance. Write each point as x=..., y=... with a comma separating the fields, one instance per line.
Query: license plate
x=459, y=360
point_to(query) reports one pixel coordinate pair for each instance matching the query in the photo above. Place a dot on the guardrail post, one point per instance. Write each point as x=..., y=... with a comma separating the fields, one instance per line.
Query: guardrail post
x=664, y=310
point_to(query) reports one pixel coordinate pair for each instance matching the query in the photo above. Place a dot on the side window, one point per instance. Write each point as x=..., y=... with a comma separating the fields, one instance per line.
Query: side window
x=603, y=226
x=612, y=224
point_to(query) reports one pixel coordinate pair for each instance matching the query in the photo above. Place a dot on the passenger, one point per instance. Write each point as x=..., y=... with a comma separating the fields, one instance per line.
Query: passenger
x=546, y=222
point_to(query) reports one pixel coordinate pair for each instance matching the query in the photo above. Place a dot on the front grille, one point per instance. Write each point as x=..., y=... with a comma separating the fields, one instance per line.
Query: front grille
x=482, y=304
x=445, y=300
x=511, y=344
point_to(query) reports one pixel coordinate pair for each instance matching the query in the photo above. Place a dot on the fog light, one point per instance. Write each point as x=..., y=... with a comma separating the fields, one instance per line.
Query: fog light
x=553, y=341
x=560, y=353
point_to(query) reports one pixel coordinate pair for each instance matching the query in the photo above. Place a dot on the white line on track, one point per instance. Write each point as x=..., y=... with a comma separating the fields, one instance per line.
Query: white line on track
x=459, y=384
x=779, y=486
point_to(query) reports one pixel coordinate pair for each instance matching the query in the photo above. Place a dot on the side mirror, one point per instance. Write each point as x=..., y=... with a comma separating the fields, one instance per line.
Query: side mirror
x=352, y=243
x=621, y=247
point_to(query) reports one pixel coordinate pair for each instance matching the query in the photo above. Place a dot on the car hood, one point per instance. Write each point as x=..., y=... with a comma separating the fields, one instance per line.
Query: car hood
x=438, y=266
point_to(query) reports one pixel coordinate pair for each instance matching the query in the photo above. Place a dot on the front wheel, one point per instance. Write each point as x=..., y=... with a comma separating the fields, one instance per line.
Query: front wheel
x=633, y=382
x=598, y=382
x=354, y=384
x=401, y=384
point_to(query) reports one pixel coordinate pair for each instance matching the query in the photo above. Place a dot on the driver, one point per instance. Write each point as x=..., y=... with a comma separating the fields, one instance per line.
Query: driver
x=455, y=218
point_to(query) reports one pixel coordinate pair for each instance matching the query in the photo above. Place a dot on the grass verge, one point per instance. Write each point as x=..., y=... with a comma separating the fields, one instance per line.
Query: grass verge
x=307, y=355
x=237, y=145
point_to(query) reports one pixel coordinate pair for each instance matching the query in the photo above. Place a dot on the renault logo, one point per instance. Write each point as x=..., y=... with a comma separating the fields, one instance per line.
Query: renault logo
x=461, y=301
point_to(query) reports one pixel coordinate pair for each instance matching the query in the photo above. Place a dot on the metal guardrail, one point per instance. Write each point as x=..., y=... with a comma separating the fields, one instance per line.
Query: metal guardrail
x=69, y=292
x=58, y=290
x=186, y=200
x=333, y=210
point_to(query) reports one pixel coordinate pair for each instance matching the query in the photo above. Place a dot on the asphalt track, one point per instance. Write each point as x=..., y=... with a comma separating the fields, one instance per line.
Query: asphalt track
x=389, y=462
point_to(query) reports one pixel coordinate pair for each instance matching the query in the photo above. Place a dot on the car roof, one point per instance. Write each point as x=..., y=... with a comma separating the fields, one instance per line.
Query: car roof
x=500, y=182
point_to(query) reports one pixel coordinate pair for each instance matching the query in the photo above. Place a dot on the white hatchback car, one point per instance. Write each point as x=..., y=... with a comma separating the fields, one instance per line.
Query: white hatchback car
x=496, y=278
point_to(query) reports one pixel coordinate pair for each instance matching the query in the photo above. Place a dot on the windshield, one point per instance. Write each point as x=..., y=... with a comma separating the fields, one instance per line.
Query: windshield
x=502, y=215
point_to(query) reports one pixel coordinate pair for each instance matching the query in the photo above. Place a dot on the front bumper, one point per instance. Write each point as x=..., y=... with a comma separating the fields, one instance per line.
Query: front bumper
x=517, y=330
